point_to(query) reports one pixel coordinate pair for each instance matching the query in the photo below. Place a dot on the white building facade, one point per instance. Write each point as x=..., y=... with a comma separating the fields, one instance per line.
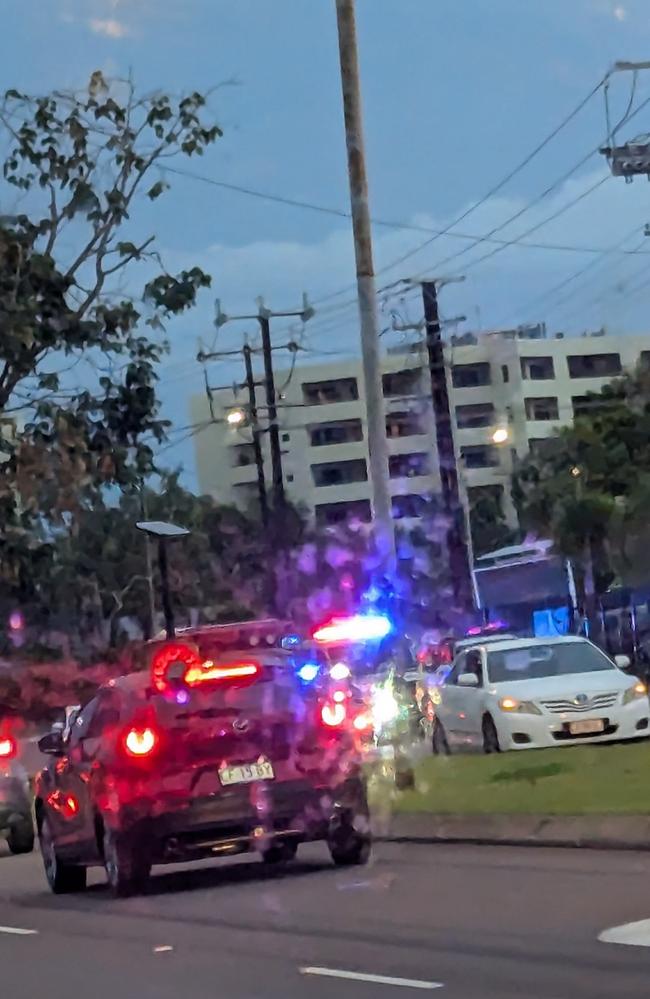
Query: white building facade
x=520, y=380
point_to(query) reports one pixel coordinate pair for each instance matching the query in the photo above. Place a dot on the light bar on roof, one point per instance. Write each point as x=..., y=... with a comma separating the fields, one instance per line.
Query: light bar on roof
x=357, y=628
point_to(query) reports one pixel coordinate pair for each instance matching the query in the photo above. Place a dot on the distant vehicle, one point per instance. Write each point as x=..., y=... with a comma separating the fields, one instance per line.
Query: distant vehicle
x=212, y=751
x=531, y=693
x=16, y=823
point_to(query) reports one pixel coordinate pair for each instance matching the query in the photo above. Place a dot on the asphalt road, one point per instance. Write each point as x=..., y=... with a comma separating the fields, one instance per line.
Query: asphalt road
x=489, y=922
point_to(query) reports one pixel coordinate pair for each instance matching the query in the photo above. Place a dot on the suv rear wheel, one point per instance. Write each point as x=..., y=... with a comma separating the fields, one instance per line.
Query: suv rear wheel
x=127, y=865
x=280, y=853
x=62, y=878
x=21, y=837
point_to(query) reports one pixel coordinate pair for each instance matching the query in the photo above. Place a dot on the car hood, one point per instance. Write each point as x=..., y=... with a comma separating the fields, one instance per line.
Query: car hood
x=550, y=687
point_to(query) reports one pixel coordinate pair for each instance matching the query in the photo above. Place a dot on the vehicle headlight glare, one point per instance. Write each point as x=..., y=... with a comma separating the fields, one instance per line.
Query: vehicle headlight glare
x=512, y=706
x=634, y=692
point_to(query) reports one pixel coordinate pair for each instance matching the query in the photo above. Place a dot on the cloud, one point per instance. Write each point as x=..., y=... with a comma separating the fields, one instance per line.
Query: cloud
x=109, y=27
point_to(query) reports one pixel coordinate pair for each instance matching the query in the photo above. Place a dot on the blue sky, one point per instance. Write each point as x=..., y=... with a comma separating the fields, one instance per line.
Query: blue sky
x=455, y=94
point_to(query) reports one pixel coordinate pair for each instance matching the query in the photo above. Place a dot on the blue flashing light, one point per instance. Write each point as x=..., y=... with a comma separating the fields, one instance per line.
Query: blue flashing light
x=308, y=672
x=291, y=641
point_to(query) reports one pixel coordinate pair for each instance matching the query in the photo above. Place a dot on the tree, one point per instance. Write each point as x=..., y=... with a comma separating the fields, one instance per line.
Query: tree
x=489, y=527
x=80, y=162
x=583, y=488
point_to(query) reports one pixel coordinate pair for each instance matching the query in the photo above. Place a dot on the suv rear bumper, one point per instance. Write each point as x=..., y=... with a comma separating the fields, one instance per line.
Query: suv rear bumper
x=238, y=820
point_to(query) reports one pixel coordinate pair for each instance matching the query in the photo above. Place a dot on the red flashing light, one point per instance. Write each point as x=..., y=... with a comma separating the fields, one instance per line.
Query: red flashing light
x=8, y=747
x=333, y=715
x=357, y=628
x=140, y=742
x=193, y=670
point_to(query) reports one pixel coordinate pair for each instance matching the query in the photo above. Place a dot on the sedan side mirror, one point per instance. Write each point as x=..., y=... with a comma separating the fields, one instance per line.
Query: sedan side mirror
x=468, y=680
x=52, y=743
x=623, y=662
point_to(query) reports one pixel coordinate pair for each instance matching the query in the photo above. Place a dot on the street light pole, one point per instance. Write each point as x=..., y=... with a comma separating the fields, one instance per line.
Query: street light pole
x=376, y=415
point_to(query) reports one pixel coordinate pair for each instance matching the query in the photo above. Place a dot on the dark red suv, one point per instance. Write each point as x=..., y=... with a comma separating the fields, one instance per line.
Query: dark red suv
x=194, y=758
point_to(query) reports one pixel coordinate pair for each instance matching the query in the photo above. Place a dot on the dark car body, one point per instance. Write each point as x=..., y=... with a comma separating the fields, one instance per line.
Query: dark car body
x=237, y=765
x=16, y=823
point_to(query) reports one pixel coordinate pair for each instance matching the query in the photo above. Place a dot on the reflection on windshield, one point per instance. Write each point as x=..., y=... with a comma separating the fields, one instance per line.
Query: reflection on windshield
x=535, y=661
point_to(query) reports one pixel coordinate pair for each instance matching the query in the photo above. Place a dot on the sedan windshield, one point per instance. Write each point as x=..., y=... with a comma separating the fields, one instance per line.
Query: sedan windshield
x=532, y=662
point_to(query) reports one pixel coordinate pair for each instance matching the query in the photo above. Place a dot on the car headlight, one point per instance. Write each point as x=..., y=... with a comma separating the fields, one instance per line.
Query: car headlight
x=634, y=692
x=512, y=706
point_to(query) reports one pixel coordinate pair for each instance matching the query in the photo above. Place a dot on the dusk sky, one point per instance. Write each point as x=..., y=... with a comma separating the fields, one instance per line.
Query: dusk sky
x=456, y=93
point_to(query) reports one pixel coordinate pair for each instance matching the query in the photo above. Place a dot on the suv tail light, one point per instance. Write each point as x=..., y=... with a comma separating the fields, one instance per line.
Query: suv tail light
x=8, y=747
x=177, y=665
x=209, y=672
x=140, y=742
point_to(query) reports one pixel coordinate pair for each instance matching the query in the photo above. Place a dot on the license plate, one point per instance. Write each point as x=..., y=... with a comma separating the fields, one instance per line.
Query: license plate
x=590, y=727
x=247, y=773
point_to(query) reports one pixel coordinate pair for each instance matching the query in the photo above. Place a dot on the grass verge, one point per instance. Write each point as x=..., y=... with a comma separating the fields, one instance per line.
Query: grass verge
x=582, y=780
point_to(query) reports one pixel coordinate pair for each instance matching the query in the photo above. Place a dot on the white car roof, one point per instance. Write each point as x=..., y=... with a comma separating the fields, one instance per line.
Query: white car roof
x=524, y=643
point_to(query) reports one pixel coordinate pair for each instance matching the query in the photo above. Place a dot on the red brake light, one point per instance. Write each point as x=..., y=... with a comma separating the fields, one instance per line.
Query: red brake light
x=140, y=742
x=333, y=715
x=209, y=672
x=8, y=747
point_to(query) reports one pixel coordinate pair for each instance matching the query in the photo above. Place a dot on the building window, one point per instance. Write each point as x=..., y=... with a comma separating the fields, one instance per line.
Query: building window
x=289, y=476
x=644, y=360
x=542, y=408
x=537, y=369
x=408, y=505
x=403, y=424
x=401, y=383
x=340, y=432
x=479, y=456
x=488, y=492
x=328, y=514
x=333, y=390
x=242, y=455
x=340, y=473
x=586, y=405
x=505, y=372
x=594, y=365
x=406, y=466
x=480, y=414
x=471, y=375
x=539, y=445
x=286, y=438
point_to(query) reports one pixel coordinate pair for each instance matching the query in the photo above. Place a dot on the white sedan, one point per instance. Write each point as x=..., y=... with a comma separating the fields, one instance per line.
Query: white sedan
x=532, y=693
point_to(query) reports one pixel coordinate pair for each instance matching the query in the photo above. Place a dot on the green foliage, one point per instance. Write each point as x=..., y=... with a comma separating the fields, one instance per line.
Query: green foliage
x=80, y=162
x=490, y=529
x=587, y=489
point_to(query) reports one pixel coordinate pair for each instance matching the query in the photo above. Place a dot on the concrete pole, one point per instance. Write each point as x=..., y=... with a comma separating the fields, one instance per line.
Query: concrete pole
x=369, y=324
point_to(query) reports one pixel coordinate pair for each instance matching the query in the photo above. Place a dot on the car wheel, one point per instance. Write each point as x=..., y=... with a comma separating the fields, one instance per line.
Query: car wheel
x=21, y=837
x=349, y=837
x=62, y=878
x=490, y=736
x=126, y=863
x=439, y=742
x=280, y=853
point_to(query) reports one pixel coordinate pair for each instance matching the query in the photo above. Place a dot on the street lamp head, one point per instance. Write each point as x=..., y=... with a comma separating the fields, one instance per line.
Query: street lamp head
x=576, y=471
x=161, y=529
x=500, y=435
x=235, y=417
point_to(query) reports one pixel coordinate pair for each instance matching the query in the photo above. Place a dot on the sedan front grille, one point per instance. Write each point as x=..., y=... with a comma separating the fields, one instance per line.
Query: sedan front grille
x=598, y=702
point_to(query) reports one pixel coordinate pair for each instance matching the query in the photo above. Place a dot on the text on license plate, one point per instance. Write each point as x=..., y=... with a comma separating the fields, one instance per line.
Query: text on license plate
x=246, y=773
x=587, y=727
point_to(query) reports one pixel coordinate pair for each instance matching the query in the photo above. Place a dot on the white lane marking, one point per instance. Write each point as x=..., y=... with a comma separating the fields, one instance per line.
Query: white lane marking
x=629, y=934
x=17, y=931
x=163, y=949
x=354, y=976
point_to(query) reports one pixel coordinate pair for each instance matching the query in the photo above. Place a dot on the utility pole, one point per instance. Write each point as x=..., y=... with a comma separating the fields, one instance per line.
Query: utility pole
x=459, y=563
x=147, y=555
x=255, y=430
x=369, y=324
x=274, y=430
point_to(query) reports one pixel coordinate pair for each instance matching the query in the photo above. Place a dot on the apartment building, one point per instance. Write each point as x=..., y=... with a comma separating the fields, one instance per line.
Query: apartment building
x=521, y=381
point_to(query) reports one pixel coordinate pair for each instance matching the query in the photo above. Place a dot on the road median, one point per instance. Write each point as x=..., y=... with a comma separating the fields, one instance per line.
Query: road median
x=589, y=796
